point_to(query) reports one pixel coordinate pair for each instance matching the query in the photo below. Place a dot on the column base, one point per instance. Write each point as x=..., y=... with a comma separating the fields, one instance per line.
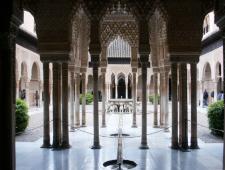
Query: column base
x=175, y=146
x=156, y=126
x=46, y=145
x=72, y=129
x=77, y=125
x=83, y=125
x=65, y=145
x=56, y=147
x=134, y=126
x=184, y=147
x=103, y=126
x=96, y=147
x=194, y=146
x=144, y=146
x=166, y=129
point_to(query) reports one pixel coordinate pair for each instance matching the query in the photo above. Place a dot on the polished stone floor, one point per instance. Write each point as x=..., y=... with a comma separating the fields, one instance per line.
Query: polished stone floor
x=80, y=157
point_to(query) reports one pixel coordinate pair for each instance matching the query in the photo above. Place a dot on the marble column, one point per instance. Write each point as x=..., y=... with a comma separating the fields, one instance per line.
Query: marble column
x=116, y=91
x=215, y=91
x=8, y=91
x=166, y=101
x=174, y=144
x=83, y=123
x=77, y=101
x=162, y=116
x=65, y=123
x=180, y=105
x=155, y=80
x=183, y=104
x=56, y=105
x=134, y=95
x=95, y=63
x=109, y=94
x=194, y=140
x=224, y=100
x=27, y=86
x=46, y=122
x=144, y=141
x=126, y=89
x=103, y=100
x=72, y=92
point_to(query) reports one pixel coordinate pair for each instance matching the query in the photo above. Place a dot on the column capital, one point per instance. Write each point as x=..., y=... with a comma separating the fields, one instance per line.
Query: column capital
x=184, y=57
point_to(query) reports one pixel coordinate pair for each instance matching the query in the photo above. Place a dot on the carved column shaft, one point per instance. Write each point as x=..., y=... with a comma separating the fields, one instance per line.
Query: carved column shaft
x=56, y=105
x=144, y=143
x=155, y=80
x=134, y=89
x=72, y=92
x=194, y=140
x=103, y=100
x=8, y=93
x=46, y=122
x=166, y=98
x=95, y=62
x=65, y=123
x=174, y=106
x=183, y=105
x=162, y=115
x=77, y=100
x=83, y=99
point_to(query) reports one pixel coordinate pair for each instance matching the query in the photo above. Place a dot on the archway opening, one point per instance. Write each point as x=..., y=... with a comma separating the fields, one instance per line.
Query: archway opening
x=121, y=88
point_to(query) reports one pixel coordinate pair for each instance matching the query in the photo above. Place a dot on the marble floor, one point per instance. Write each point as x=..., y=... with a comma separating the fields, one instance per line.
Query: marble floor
x=29, y=155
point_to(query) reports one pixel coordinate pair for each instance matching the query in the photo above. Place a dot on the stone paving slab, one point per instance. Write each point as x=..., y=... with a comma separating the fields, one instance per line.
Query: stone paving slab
x=81, y=157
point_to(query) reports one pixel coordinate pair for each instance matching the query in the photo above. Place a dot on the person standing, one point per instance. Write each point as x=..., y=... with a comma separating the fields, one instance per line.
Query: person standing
x=205, y=98
x=37, y=98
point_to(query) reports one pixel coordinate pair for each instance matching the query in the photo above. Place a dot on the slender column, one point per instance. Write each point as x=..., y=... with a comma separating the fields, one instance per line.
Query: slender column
x=56, y=105
x=215, y=91
x=155, y=80
x=224, y=100
x=72, y=91
x=109, y=94
x=83, y=100
x=77, y=101
x=162, y=116
x=174, y=106
x=116, y=87
x=95, y=61
x=166, y=109
x=134, y=90
x=127, y=89
x=46, y=128
x=8, y=90
x=144, y=142
x=65, y=123
x=103, y=99
x=27, y=86
x=184, y=118
x=180, y=106
x=194, y=140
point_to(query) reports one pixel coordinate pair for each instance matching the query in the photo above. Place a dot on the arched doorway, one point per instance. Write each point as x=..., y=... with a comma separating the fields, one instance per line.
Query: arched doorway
x=121, y=86
x=219, y=77
x=34, y=88
x=113, y=94
x=129, y=86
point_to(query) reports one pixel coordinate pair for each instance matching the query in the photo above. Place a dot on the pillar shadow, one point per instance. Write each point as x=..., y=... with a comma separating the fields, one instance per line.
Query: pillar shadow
x=174, y=161
x=45, y=163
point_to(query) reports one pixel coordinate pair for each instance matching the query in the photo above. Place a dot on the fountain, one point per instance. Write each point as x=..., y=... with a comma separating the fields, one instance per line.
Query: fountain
x=120, y=163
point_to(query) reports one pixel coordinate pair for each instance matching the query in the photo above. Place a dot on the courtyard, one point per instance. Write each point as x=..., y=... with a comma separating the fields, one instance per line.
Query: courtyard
x=81, y=157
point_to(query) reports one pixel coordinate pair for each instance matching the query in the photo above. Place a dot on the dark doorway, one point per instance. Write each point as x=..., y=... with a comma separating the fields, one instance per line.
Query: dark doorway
x=121, y=89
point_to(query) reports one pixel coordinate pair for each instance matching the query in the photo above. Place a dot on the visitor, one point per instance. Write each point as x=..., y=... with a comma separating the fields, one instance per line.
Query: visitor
x=212, y=96
x=205, y=98
x=220, y=95
x=23, y=94
x=37, y=98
